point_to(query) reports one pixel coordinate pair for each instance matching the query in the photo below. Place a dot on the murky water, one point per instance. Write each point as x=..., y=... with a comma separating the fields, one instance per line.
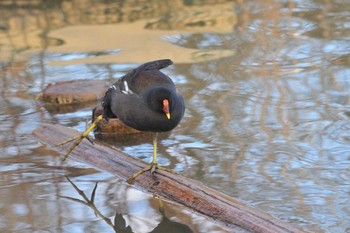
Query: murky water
x=266, y=84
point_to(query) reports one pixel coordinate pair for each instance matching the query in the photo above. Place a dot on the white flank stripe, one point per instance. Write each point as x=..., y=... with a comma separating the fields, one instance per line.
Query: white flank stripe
x=126, y=88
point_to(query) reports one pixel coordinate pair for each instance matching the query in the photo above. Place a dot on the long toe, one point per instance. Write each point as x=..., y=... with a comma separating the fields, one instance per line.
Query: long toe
x=152, y=168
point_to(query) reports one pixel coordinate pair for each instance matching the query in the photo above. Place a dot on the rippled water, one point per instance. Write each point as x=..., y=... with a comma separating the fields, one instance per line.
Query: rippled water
x=267, y=118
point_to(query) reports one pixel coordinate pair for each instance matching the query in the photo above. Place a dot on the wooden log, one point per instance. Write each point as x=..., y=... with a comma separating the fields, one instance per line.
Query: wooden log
x=225, y=210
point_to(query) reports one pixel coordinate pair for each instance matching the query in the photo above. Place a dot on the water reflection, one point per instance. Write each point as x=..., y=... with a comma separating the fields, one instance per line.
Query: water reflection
x=119, y=223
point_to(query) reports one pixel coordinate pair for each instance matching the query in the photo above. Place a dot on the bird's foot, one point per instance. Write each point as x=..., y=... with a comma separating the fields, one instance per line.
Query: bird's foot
x=152, y=168
x=77, y=139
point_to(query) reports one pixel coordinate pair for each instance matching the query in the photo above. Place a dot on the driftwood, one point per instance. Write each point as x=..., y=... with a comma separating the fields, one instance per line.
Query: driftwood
x=223, y=209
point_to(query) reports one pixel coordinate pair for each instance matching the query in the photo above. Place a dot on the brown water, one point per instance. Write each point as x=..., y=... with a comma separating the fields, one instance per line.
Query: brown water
x=267, y=90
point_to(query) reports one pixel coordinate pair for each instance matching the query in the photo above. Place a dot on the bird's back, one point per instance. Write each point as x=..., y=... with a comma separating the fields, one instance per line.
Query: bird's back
x=146, y=76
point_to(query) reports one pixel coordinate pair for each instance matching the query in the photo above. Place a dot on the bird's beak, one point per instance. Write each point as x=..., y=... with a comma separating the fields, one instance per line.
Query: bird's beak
x=166, y=108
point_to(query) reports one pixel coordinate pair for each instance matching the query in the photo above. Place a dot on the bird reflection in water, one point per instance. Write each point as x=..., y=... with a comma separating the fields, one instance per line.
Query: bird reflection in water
x=119, y=223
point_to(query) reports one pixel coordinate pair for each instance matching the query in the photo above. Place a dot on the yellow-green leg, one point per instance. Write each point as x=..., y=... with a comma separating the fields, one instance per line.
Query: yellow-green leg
x=81, y=137
x=153, y=166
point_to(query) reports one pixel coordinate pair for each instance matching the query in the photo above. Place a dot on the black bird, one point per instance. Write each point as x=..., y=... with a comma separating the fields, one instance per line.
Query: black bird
x=144, y=99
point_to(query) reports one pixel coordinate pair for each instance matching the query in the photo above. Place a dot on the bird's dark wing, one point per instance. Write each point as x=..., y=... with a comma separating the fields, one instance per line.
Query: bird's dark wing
x=147, y=75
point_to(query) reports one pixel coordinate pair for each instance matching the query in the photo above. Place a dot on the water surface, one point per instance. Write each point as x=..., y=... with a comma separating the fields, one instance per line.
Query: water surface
x=267, y=89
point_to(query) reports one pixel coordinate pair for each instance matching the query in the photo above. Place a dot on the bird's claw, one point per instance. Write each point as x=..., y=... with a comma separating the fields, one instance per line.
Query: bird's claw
x=151, y=168
x=90, y=140
x=81, y=137
x=75, y=144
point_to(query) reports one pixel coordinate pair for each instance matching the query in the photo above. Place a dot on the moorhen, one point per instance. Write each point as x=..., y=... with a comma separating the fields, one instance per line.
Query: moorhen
x=144, y=99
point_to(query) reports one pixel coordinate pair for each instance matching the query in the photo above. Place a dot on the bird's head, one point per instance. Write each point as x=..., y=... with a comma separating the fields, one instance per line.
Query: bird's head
x=161, y=100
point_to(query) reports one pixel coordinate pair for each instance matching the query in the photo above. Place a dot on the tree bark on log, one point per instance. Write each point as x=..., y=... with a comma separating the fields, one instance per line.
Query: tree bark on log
x=228, y=211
